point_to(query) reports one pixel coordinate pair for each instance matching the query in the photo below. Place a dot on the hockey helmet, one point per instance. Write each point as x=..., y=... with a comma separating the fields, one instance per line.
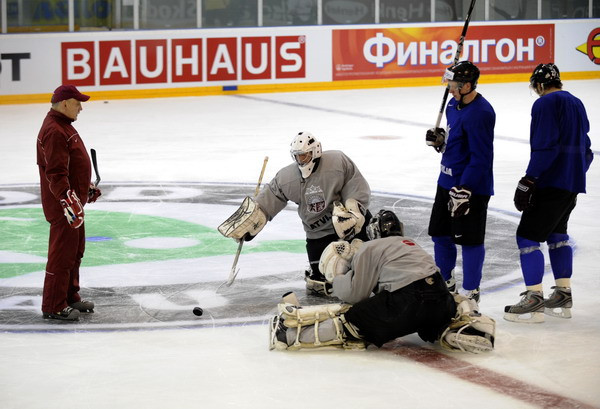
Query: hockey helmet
x=384, y=224
x=462, y=72
x=545, y=75
x=306, y=151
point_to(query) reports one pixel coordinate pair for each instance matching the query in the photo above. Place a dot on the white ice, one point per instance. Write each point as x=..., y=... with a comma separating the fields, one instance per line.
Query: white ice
x=224, y=139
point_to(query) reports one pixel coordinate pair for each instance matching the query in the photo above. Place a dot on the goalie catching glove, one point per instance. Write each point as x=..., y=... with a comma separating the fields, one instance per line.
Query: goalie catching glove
x=470, y=331
x=348, y=218
x=245, y=223
x=337, y=256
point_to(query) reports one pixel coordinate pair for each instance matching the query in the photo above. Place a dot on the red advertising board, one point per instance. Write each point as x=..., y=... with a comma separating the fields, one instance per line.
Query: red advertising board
x=161, y=61
x=425, y=51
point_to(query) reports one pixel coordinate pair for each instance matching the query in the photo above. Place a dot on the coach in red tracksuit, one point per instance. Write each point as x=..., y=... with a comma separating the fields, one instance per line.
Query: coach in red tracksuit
x=65, y=174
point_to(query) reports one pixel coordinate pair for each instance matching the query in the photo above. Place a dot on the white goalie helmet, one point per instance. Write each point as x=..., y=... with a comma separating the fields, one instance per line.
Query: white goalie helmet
x=305, y=150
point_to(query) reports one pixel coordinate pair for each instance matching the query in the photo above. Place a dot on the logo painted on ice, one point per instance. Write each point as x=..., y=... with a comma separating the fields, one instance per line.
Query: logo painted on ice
x=153, y=253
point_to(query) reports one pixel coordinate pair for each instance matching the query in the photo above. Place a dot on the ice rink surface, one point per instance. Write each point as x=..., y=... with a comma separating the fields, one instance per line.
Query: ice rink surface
x=112, y=358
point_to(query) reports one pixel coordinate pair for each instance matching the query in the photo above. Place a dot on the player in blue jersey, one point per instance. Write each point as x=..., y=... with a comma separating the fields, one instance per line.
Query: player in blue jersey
x=466, y=181
x=547, y=194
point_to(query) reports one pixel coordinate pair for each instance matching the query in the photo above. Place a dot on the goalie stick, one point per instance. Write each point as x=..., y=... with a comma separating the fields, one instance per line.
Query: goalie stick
x=95, y=163
x=233, y=273
x=456, y=57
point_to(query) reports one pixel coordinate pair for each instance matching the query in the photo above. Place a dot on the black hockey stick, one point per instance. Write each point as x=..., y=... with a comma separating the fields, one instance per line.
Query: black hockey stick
x=95, y=163
x=456, y=57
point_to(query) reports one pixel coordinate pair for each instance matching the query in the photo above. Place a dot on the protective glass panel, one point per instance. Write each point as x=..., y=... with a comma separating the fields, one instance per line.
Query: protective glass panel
x=229, y=13
x=289, y=12
x=513, y=10
x=399, y=11
x=348, y=11
x=36, y=15
x=456, y=10
x=556, y=9
x=165, y=14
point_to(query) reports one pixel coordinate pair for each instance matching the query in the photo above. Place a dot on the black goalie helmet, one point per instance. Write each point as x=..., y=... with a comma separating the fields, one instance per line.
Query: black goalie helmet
x=463, y=71
x=384, y=224
x=546, y=75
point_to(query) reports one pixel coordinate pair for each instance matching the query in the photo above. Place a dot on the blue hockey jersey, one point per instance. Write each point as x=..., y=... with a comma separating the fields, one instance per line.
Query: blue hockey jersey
x=469, y=155
x=560, y=146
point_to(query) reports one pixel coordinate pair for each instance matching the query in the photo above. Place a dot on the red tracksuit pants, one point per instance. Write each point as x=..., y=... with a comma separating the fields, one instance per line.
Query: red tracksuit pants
x=65, y=251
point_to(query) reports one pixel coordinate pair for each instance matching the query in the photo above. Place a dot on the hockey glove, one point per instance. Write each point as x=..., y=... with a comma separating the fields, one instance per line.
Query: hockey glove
x=73, y=209
x=245, y=223
x=337, y=257
x=523, y=193
x=348, y=219
x=459, y=203
x=93, y=193
x=436, y=137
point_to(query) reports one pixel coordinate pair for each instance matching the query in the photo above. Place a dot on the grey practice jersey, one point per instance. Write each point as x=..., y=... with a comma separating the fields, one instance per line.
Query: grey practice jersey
x=336, y=179
x=383, y=264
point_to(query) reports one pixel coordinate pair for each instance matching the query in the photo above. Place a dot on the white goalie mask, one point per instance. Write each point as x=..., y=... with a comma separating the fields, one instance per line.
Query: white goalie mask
x=306, y=150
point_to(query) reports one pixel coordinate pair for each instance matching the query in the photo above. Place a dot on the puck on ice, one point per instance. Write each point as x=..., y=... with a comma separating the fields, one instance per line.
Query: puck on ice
x=198, y=311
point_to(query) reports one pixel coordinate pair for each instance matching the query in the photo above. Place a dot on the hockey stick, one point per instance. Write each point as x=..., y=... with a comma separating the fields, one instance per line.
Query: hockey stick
x=233, y=273
x=95, y=163
x=456, y=57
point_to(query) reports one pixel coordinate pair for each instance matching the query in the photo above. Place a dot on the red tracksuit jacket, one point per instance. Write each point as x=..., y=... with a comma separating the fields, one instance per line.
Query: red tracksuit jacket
x=63, y=163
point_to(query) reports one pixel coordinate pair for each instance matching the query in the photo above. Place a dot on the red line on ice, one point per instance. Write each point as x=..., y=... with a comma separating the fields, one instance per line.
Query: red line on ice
x=496, y=381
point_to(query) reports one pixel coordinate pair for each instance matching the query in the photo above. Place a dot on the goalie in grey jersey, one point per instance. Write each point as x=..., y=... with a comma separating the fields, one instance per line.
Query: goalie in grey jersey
x=410, y=296
x=332, y=198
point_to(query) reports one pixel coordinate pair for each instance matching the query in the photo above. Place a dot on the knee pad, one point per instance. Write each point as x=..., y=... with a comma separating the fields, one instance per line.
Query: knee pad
x=527, y=246
x=557, y=240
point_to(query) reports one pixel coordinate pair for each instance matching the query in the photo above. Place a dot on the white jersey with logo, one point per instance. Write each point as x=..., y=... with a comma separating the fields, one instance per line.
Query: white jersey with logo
x=336, y=178
x=383, y=264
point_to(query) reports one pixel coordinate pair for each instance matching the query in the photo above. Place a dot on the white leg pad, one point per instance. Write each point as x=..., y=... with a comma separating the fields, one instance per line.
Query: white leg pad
x=470, y=331
x=315, y=326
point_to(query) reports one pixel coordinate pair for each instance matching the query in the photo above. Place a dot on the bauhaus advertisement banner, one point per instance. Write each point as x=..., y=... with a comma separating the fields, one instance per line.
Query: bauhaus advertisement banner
x=193, y=62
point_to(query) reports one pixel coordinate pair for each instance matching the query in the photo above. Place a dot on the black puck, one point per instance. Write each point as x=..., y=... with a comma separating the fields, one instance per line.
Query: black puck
x=198, y=311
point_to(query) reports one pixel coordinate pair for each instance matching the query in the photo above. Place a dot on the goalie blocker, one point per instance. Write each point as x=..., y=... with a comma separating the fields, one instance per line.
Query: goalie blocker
x=247, y=221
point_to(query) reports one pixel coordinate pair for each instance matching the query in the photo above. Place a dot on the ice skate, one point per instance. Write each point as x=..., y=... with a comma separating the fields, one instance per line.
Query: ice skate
x=473, y=295
x=451, y=283
x=559, y=303
x=529, y=310
x=67, y=314
x=277, y=334
x=316, y=284
x=83, y=306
